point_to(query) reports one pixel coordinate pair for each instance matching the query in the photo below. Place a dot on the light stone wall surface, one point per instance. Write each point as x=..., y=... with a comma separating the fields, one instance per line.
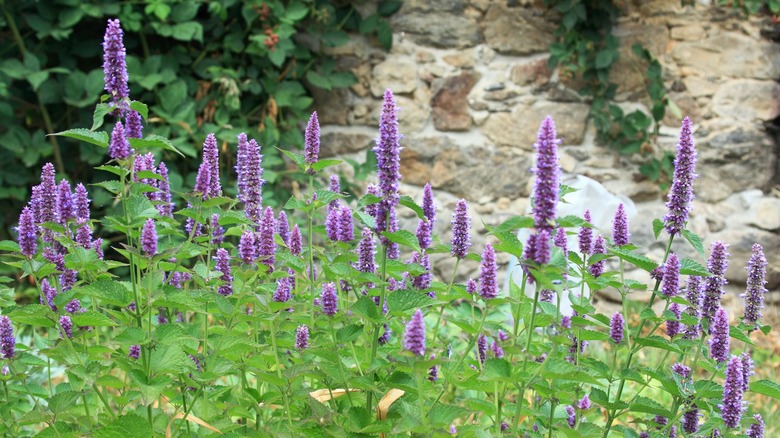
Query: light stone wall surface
x=472, y=83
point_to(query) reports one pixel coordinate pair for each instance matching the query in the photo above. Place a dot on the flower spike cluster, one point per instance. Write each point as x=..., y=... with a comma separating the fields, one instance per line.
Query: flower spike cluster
x=547, y=174
x=461, y=222
x=755, y=289
x=114, y=62
x=414, y=336
x=681, y=192
x=312, y=142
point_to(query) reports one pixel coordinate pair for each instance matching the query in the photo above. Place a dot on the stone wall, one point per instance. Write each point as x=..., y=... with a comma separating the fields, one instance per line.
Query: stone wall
x=472, y=81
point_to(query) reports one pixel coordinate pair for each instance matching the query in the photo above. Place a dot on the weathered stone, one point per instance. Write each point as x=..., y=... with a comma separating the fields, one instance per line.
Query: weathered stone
x=332, y=105
x=412, y=115
x=460, y=59
x=698, y=86
x=397, y=74
x=516, y=30
x=340, y=141
x=765, y=214
x=519, y=128
x=437, y=23
x=741, y=242
x=688, y=107
x=747, y=100
x=534, y=72
x=693, y=32
x=730, y=54
x=450, y=109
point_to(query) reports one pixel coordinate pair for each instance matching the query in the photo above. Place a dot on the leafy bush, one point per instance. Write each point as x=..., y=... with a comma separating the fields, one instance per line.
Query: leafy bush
x=220, y=66
x=233, y=322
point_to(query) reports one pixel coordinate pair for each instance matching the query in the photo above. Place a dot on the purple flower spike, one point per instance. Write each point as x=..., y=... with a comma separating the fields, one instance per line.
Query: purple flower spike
x=681, y=370
x=73, y=306
x=332, y=224
x=135, y=127
x=584, y=403
x=282, y=293
x=302, y=337
x=217, y=232
x=547, y=174
x=296, y=241
x=366, y=252
x=747, y=369
x=250, y=177
x=67, y=326
x=334, y=185
x=670, y=285
x=586, y=235
x=693, y=295
x=571, y=416
x=673, y=432
x=422, y=281
x=114, y=62
x=247, y=248
x=223, y=266
x=756, y=430
x=719, y=344
x=81, y=202
x=119, y=147
x=64, y=202
x=673, y=325
x=211, y=155
x=27, y=233
x=7, y=339
x=48, y=190
x=283, y=227
x=644, y=435
x=149, y=238
x=482, y=346
x=690, y=419
x=599, y=247
x=732, y=407
x=414, y=336
x=472, y=286
x=681, y=192
x=428, y=207
x=346, y=228
x=388, y=150
x=488, y=287
x=312, y=142
x=165, y=207
x=713, y=285
x=620, y=234
x=385, y=337
x=560, y=240
x=330, y=300
x=542, y=249
x=134, y=352
x=755, y=290
x=616, y=327
x=433, y=372
x=266, y=246
x=461, y=222
x=49, y=292
x=497, y=350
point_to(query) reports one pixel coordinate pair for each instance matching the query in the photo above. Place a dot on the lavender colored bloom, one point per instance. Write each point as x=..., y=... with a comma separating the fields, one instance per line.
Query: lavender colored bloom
x=488, y=286
x=644, y=435
x=27, y=233
x=346, y=229
x=566, y=322
x=504, y=426
x=217, y=232
x=471, y=286
x=662, y=421
x=584, y=403
x=97, y=245
x=670, y=285
x=453, y=430
x=373, y=209
x=719, y=344
x=366, y=252
x=165, y=206
x=423, y=233
x=693, y=295
x=414, y=336
x=302, y=337
x=283, y=227
x=571, y=418
x=145, y=162
x=36, y=203
x=73, y=306
x=681, y=370
x=332, y=224
x=114, y=62
x=67, y=326
x=84, y=234
x=282, y=293
x=586, y=235
x=422, y=281
x=149, y=238
x=673, y=432
x=388, y=151
x=134, y=352
x=690, y=419
x=223, y=266
x=48, y=293
x=433, y=372
x=560, y=240
x=546, y=295
x=296, y=244
x=461, y=241
x=334, y=186
x=673, y=326
x=266, y=246
x=7, y=339
x=428, y=207
x=81, y=202
x=48, y=193
x=547, y=174
x=756, y=430
x=616, y=327
x=385, y=337
x=715, y=433
x=747, y=369
x=311, y=150
x=68, y=279
x=162, y=315
x=732, y=407
x=133, y=123
x=131, y=307
x=211, y=155
x=497, y=350
x=755, y=289
x=599, y=247
x=247, y=248
x=250, y=178
x=482, y=346
x=330, y=300
x=202, y=181
x=620, y=234
x=64, y=202
x=119, y=147
x=542, y=249
x=681, y=192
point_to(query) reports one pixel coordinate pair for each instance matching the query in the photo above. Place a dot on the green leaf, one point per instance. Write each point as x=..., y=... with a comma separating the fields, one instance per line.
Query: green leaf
x=32, y=314
x=92, y=319
x=694, y=240
x=96, y=138
x=736, y=333
x=443, y=415
x=296, y=11
x=513, y=223
x=62, y=401
x=349, y=333
x=112, y=186
x=154, y=141
x=322, y=164
x=402, y=300
x=296, y=158
x=692, y=267
x=318, y=80
x=496, y=369
x=101, y=110
x=367, y=219
x=658, y=342
x=107, y=291
x=9, y=245
x=409, y=203
x=140, y=108
x=387, y=8
x=592, y=335
x=384, y=34
x=766, y=387
x=559, y=369
x=169, y=358
x=127, y=426
x=604, y=58
x=188, y=31
x=658, y=225
x=637, y=260
x=403, y=237
x=648, y=406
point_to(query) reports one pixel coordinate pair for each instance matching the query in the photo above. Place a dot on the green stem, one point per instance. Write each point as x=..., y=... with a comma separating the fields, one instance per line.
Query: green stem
x=449, y=288
x=86, y=411
x=377, y=326
x=103, y=399
x=279, y=374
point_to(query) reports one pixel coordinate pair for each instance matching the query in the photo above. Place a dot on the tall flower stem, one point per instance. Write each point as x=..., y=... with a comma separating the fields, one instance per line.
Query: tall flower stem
x=311, y=249
x=377, y=326
x=279, y=374
x=449, y=288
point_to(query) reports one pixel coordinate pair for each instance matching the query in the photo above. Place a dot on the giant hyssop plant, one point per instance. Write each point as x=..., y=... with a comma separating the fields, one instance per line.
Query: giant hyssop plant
x=324, y=319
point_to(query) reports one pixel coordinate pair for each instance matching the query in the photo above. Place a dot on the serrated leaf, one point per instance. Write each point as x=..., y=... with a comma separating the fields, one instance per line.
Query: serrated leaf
x=112, y=186
x=658, y=225
x=127, y=426
x=405, y=238
x=592, y=335
x=9, y=245
x=140, y=108
x=349, y=333
x=766, y=387
x=496, y=369
x=637, y=260
x=658, y=342
x=62, y=401
x=298, y=159
x=367, y=219
x=736, y=333
x=400, y=301
x=107, y=292
x=92, y=319
x=368, y=200
x=101, y=110
x=443, y=415
x=322, y=164
x=152, y=142
x=648, y=406
x=694, y=240
x=408, y=202
x=514, y=223
x=32, y=314
x=692, y=267
x=560, y=369
x=96, y=138
x=169, y=358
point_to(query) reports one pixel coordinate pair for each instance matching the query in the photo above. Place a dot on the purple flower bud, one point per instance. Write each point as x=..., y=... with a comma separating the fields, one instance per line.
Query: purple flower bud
x=547, y=174
x=433, y=372
x=584, y=403
x=223, y=266
x=332, y=224
x=250, y=177
x=461, y=241
x=542, y=249
x=453, y=430
x=311, y=150
x=217, y=232
x=283, y=227
x=670, y=286
x=48, y=191
x=566, y=322
x=560, y=240
x=755, y=288
x=7, y=339
x=67, y=326
x=732, y=407
x=165, y=207
x=616, y=327
x=84, y=234
x=662, y=421
x=756, y=430
x=73, y=306
x=681, y=370
x=114, y=62
x=546, y=295
x=681, y=192
x=27, y=233
x=423, y=233
x=497, y=350
x=373, y=209
x=81, y=202
x=64, y=202
x=385, y=337
x=488, y=286
x=282, y=293
x=571, y=418
x=135, y=128
x=48, y=293
x=296, y=244
x=414, y=336
x=302, y=337
x=266, y=245
x=346, y=229
x=334, y=185
x=422, y=281
x=504, y=426
x=644, y=435
x=693, y=295
x=620, y=234
x=388, y=151
x=586, y=235
x=747, y=369
x=673, y=325
x=719, y=344
x=482, y=346
x=97, y=245
x=119, y=148
x=131, y=307
x=599, y=247
x=366, y=252
x=247, y=248
x=211, y=156
x=134, y=352
x=162, y=315
x=428, y=207
x=673, y=432
x=690, y=419
x=330, y=300
x=149, y=238
x=713, y=285
x=471, y=286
